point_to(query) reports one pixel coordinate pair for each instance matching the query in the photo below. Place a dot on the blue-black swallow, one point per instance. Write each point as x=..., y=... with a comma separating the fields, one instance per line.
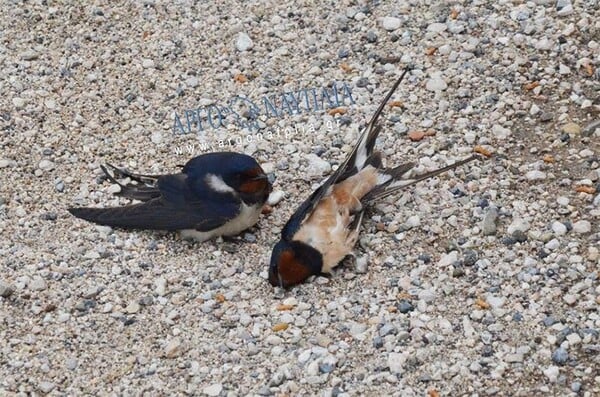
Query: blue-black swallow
x=325, y=228
x=215, y=194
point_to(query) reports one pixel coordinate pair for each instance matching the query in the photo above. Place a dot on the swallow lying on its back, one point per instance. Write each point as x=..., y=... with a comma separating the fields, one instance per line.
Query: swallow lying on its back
x=325, y=228
x=216, y=194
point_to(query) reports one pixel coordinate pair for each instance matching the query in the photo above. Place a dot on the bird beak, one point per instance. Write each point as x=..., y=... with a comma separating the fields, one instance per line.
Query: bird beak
x=260, y=177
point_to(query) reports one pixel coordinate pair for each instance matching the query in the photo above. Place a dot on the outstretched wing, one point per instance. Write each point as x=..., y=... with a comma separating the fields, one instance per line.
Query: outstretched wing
x=355, y=160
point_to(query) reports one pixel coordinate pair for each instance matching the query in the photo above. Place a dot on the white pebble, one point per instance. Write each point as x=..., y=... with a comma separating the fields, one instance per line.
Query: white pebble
x=391, y=23
x=582, y=227
x=500, y=132
x=361, y=263
x=7, y=163
x=147, y=63
x=563, y=201
x=275, y=197
x=564, y=69
x=18, y=102
x=46, y=387
x=570, y=299
x=37, y=284
x=552, y=244
x=413, y=221
x=396, y=362
x=559, y=228
x=213, y=390
x=518, y=224
x=243, y=42
x=552, y=373
x=495, y=301
x=535, y=175
x=46, y=165
x=316, y=165
x=436, y=84
x=436, y=27
x=448, y=259
x=535, y=109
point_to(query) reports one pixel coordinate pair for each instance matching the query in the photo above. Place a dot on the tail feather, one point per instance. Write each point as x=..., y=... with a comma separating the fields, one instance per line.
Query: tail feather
x=396, y=183
x=145, y=190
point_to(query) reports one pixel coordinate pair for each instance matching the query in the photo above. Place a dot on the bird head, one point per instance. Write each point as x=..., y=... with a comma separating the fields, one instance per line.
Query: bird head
x=292, y=262
x=251, y=183
x=229, y=172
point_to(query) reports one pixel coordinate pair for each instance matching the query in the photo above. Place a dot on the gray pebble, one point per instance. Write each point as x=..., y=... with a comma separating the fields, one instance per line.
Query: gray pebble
x=37, y=284
x=6, y=289
x=326, y=367
x=378, y=342
x=405, y=306
x=535, y=175
x=519, y=236
x=362, y=82
x=46, y=387
x=560, y=356
x=489, y=222
x=59, y=186
x=371, y=36
x=470, y=258
x=71, y=363
x=387, y=329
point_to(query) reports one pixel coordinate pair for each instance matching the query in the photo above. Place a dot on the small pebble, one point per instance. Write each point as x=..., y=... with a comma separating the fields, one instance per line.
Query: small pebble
x=46, y=165
x=559, y=228
x=37, y=284
x=405, y=307
x=552, y=373
x=173, y=348
x=535, y=175
x=46, y=387
x=391, y=23
x=6, y=289
x=571, y=128
x=243, y=42
x=560, y=356
x=489, y=222
x=582, y=227
x=213, y=390
x=436, y=84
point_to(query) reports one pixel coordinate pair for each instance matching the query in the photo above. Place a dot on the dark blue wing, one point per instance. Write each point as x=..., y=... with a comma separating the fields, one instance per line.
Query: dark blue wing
x=180, y=206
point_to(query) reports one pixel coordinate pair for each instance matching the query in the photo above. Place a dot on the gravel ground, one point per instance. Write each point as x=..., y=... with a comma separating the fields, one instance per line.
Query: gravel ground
x=481, y=282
